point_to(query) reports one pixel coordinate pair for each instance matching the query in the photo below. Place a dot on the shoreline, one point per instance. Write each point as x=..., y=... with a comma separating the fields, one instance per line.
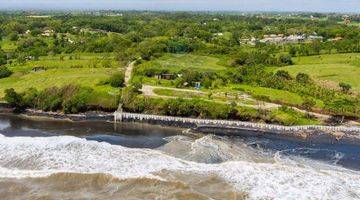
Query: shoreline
x=315, y=134
x=322, y=134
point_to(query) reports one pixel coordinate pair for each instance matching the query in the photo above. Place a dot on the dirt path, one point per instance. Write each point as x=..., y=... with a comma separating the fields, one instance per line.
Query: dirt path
x=128, y=72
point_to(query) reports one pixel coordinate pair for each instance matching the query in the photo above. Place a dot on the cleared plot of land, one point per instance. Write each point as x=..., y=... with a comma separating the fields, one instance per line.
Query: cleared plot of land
x=68, y=61
x=347, y=58
x=54, y=77
x=330, y=69
x=50, y=71
x=177, y=62
x=274, y=95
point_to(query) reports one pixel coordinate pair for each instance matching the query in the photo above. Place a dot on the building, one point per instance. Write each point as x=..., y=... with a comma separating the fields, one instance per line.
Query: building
x=313, y=38
x=164, y=76
x=295, y=38
x=335, y=39
x=48, y=33
x=251, y=41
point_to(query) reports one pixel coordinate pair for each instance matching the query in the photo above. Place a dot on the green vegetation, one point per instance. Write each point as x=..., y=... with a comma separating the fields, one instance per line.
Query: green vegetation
x=4, y=72
x=275, y=95
x=290, y=117
x=174, y=93
x=75, y=62
x=8, y=45
x=210, y=110
x=330, y=70
x=68, y=98
x=85, y=69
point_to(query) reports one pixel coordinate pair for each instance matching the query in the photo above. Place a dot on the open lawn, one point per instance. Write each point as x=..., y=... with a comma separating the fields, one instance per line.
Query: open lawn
x=177, y=62
x=54, y=77
x=174, y=63
x=56, y=72
x=68, y=61
x=329, y=69
x=274, y=95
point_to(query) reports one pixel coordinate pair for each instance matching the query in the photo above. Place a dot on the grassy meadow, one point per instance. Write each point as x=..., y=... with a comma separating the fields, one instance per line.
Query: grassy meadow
x=330, y=69
x=274, y=95
x=87, y=70
x=177, y=62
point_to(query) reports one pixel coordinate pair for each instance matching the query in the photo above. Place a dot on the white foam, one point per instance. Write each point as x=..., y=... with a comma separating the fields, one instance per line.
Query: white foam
x=31, y=157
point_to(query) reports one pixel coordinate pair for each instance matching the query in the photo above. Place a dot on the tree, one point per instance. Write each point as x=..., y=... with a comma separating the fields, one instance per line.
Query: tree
x=286, y=59
x=283, y=75
x=117, y=80
x=3, y=57
x=4, y=72
x=345, y=87
x=14, y=99
x=308, y=103
x=292, y=51
x=13, y=36
x=303, y=78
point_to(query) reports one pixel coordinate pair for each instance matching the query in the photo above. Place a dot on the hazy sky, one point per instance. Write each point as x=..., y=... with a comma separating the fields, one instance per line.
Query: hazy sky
x=238, y=5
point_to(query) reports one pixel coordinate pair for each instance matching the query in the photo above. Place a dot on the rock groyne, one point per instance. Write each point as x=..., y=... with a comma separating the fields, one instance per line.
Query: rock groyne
x=228, y=127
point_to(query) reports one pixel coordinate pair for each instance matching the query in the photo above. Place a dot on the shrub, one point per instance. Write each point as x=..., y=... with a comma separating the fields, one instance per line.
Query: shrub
x=4, y=72
x=308, y=103
x=283, y=75
x=3, y=57
x=117, y=80
x=13, y=36
x=303, y=78
x=78, y=102
x=286, y=60
x=345, y=87
x=14, y=99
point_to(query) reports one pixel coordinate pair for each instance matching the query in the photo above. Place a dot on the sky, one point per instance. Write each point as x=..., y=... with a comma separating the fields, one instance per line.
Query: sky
x=188, y=5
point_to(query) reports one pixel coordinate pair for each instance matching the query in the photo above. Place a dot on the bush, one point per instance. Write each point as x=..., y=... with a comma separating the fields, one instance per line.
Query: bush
x=3, y=57
x=345, y=87
x=5, y=72
x=14, y=99
x=286, y=60
x=78, y=102
x=308, y=103
x=303, y=78
x=13, y=36
x=117, y=80
x=283, y=75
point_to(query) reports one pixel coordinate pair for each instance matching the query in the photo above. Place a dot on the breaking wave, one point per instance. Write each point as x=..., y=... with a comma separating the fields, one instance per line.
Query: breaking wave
x=207, y=167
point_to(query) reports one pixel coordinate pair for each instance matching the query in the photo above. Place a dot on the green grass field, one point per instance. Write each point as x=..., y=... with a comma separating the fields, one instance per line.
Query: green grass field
x=274, y=95
x=177, y=62
x=330, y=70
x=174, y=63
x=54, y=62
x=61, y=72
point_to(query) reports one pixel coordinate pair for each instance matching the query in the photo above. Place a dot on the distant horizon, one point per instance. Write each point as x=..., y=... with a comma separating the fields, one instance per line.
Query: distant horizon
x=199, y=11
x=320, y=6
